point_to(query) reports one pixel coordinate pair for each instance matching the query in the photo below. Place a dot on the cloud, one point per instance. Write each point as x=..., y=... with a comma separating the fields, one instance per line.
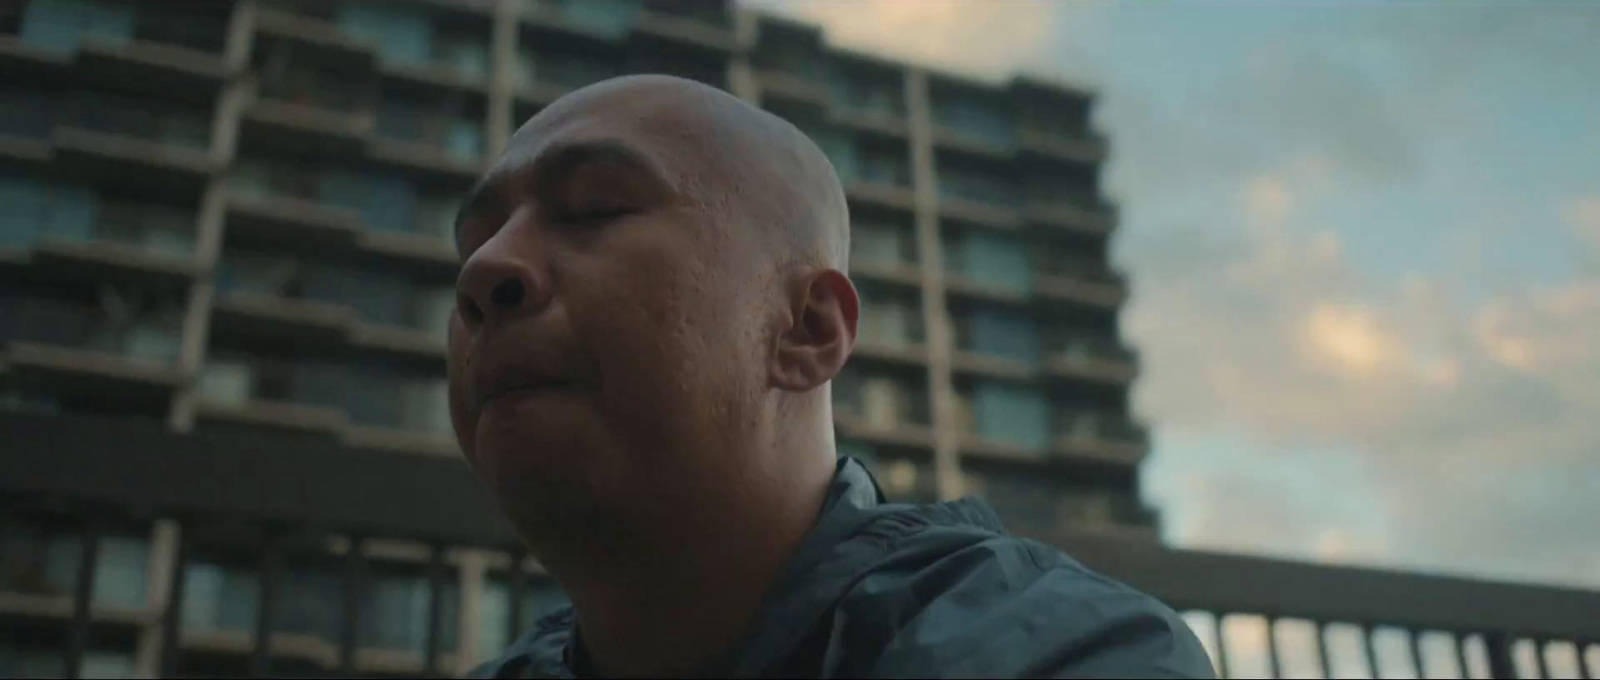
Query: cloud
x=1345, y=232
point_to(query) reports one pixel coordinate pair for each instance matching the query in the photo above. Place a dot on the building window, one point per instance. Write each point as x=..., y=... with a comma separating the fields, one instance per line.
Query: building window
x=58, y=26
x=219, y=597
x=991, y=259
x=882, y=243
x=890, y=318
x=878, y=400
x=1010, y=414
x=541, y=596
x=970, y=181
x=26, y=114
x=394, y=610
x=863, y=89
x=972, y=114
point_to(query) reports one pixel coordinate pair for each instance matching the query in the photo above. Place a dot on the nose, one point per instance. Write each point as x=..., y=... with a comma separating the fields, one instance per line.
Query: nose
x=497, y=283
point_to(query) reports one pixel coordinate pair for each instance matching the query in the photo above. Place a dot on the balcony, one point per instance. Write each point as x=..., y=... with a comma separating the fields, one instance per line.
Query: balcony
x=1090, y=216
x=308, y=226
x=372, y=405
x=435, y=139
x=872, y=195
x=1080, y=283
x=592, y=22
x=790, y=63
x=702, y=25
x=302, y=127
x=868, y=95
x=1100, y=438
x=968, y=121
x=993, y=366
x=1085, y=149
x=346, y=216
x=91, y=345
x=968, y=287
x=1093, y=361
x=904, y=274
x=313, y=31
x=257, y=482
x=136, y=46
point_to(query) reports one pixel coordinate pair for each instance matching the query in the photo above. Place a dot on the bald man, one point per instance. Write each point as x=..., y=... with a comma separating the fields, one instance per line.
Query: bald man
x=652, y=303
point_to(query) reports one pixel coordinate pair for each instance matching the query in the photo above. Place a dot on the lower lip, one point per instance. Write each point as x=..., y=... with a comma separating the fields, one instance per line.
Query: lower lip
x=515, y=399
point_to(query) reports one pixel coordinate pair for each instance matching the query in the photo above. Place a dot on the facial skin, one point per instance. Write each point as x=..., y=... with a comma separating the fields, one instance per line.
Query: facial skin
x=651, y=304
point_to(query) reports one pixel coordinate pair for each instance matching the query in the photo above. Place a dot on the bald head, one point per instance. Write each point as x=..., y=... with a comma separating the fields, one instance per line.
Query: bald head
x=755, y=169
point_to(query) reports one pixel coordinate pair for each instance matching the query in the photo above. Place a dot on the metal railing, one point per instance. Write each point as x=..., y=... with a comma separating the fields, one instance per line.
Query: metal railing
x=263, y=489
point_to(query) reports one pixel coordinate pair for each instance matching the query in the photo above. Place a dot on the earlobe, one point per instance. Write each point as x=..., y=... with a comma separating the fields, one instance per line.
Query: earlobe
x=823, y=312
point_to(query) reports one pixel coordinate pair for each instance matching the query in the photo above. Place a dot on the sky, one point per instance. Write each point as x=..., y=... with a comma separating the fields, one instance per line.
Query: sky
x=1363, y=242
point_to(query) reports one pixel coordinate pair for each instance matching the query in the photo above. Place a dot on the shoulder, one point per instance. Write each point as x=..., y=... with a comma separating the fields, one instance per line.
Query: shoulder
x=541, y=653
x=960, y=600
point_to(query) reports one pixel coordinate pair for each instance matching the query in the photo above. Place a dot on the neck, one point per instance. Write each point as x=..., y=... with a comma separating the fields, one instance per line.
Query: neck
x=670, y=597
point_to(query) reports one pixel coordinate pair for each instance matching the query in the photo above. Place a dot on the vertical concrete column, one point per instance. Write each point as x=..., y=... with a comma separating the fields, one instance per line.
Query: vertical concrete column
x=473, y=566
x=935, y=315
x=742, y=80
x=235, y=97
x=158, y=578
x=502, y=74
x=241, y=36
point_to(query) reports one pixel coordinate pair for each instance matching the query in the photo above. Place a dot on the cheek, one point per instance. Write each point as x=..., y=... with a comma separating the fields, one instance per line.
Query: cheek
x=457, y=367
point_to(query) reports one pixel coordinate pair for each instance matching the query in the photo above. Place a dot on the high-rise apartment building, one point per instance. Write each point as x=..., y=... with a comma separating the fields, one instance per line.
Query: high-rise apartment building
x=234, y=216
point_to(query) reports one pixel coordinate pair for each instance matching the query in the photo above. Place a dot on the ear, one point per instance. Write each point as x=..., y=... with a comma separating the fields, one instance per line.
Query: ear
x=820, y=332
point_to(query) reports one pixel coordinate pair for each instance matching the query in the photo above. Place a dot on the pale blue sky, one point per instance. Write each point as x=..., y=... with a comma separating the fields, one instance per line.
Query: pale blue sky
x=1364, y=241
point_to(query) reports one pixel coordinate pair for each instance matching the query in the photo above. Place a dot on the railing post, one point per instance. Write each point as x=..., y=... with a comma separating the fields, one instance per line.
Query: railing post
x=1322, y=648
x=1220, y=631
x=172, y=616
x=1368, y=645
x=1583, y=660
x=1539, y=647
x=271, y=570
x=1416, y=651
x=436, y=571
x=82, y=595
x=515, y=582
x=1461, y=654
x=1272, y=648
x=1501, y=665
x=350, y=623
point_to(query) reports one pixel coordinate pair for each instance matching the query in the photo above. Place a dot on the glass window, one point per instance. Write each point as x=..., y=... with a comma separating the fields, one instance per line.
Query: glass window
x=226, y=382
x=310, y=601
x=969, y=182
x=26, y=115
x=994, y=259
x=976, y=115
x=884, y=166
x=219, y=598
x=122, y=572
x=888, y=318
x=58, y=25
x=394, y=611
x=1011, y=414
x=879, y=243
x=541, y=596
x=611, y=18
x=27, y=202
x=400, y=33
x=1004, y=334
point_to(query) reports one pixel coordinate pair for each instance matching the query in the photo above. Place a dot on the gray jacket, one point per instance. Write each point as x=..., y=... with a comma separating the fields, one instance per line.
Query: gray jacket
x=884, y=589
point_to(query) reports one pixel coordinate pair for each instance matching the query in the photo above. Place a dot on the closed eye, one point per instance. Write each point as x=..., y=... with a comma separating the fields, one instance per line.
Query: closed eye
x=597, y=215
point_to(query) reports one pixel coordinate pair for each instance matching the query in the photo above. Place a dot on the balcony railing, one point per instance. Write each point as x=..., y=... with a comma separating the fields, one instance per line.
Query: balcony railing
x=258, y=481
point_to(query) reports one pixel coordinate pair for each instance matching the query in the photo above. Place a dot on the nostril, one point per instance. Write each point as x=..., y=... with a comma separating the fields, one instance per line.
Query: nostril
x=508, y=294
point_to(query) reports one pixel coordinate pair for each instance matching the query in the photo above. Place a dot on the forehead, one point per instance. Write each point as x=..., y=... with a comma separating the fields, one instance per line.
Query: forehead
x=670, y=135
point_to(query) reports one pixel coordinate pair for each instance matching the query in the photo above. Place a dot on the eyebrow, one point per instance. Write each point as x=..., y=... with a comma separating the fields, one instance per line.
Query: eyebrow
x=553, y=165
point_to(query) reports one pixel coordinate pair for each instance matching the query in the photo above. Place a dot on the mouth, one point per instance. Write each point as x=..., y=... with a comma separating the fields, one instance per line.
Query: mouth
x=512, y=391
